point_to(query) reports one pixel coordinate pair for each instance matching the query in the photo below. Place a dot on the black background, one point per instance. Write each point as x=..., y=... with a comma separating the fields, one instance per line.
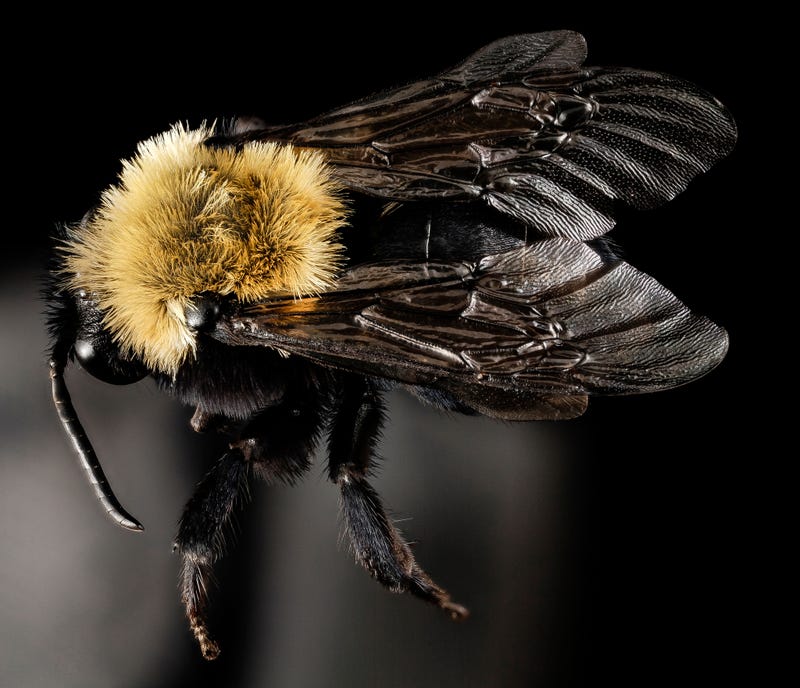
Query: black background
x=661, y=553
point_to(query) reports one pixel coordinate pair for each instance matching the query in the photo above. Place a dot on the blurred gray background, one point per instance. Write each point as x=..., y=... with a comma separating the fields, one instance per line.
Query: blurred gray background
x=620, y=546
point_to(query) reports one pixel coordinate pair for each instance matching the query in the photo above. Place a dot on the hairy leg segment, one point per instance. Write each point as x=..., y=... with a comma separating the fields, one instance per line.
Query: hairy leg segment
x=377, y=544
x=275, y=445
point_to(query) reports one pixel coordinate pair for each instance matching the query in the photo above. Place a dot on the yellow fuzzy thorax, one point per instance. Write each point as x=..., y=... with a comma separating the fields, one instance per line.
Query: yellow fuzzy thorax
x=185, y=218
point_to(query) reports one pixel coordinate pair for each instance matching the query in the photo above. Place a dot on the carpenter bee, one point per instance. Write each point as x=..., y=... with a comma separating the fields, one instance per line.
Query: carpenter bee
x=445, y=237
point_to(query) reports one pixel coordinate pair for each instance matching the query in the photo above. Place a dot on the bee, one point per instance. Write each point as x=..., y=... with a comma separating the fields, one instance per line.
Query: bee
x=447, y=237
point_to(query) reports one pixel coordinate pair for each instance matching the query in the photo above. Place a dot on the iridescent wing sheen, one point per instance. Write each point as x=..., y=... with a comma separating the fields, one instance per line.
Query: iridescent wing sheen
x=524, y=334
x=524, y=127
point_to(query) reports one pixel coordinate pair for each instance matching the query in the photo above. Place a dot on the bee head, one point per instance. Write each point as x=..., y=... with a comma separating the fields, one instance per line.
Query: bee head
x=95, y=349
x=186, y=225
x=77, y=334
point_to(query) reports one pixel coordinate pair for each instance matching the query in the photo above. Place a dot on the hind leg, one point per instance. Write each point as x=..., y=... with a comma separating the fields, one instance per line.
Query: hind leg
x=377, y=544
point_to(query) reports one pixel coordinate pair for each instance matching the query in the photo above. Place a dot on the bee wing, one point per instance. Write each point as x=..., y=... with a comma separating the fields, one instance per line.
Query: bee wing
x=524, y=334
x=521, y=125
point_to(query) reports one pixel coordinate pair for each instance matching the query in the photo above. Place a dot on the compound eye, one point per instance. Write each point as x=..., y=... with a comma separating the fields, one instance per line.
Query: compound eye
x=99, y=357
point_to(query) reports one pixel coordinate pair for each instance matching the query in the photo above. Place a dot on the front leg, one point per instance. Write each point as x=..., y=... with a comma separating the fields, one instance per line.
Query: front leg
x=377, y=544
x=201, y=538
x=275, y=445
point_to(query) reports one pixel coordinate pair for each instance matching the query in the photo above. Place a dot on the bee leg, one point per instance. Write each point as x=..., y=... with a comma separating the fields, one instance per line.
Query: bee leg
x=280, y=440
x=202, y=422
x=201, y=539
x=377, y=544
x=275, y=445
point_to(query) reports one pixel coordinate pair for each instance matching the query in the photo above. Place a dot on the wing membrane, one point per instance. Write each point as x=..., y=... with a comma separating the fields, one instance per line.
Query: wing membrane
x=525, y=333
x=523, y=126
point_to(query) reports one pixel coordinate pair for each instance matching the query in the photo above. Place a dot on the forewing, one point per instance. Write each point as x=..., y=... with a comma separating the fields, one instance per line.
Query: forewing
x=523, y=126
x=524, y=334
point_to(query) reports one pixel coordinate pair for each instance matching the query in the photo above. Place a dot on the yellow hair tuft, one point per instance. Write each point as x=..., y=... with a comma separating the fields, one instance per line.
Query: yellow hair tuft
x=186, y=218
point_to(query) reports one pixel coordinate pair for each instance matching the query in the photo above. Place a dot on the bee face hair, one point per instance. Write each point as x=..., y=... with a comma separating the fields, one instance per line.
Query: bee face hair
x=186, y=218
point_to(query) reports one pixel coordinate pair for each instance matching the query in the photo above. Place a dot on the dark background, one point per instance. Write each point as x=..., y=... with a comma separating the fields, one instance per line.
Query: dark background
x=627, y=546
